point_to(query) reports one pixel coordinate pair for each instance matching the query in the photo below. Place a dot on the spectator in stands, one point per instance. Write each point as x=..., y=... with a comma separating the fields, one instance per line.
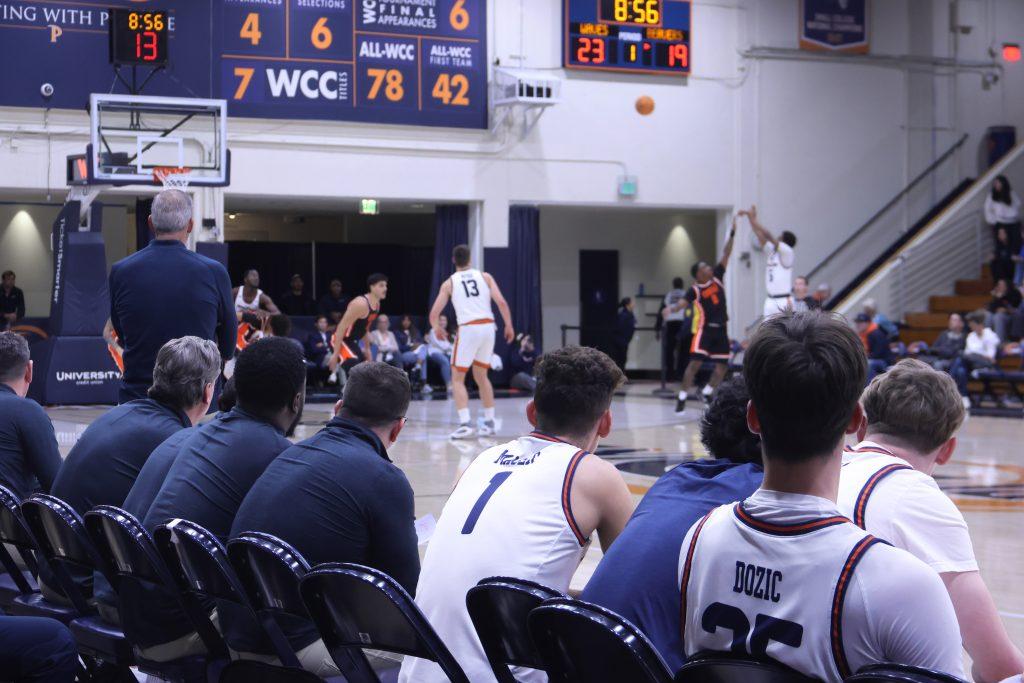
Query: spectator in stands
x=408, y=334
x=280, y=325
x=980, y=350
x=165, y=292
x=1004, y=306
x=1002, y=209
x=333, y=303
x=876, y=344
x=211, y=474
x=638, y=577
x=913, y=414
x=625, y=327
x=1002, y=265
x=346, y=502
x=947, y=347
x=522, y=358
x=823, y=294
x=12, y=301
x=383, y=339
x=870, y=308
x=413, y=346
x=318, y=349
x=439, y=339
x=802, y=300
x=674, y=356
x=103, y=465
x=29, y=459
x=37, y=650
x=295, y=301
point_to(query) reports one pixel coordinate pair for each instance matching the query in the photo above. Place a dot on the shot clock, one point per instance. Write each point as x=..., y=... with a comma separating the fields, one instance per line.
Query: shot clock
x=138, y=37
x=642, y=36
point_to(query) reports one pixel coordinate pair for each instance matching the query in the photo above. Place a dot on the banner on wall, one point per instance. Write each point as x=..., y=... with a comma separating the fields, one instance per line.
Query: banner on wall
x=834, y=25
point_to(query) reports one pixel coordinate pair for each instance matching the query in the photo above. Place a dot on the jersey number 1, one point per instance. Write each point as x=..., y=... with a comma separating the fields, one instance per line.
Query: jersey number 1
x=481, y=502
x=466, y=286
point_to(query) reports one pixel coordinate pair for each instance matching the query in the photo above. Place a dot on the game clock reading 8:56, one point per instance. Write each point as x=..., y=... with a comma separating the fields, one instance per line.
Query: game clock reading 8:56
x=138, y=37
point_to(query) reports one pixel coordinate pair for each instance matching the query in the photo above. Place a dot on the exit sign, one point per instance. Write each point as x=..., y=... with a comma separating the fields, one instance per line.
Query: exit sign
x=369, y=207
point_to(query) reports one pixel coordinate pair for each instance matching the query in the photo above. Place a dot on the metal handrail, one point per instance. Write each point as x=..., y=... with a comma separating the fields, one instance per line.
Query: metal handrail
x=566, y=328
x=890, y=204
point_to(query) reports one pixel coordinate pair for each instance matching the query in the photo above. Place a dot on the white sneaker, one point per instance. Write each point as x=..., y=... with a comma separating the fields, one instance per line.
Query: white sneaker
x=427, y=389
x=464, y=431
x=486, y=429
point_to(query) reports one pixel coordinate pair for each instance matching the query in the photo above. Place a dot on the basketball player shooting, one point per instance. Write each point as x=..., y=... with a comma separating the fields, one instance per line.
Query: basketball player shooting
x=471, y=292
x=778, y=271
x=710, y=338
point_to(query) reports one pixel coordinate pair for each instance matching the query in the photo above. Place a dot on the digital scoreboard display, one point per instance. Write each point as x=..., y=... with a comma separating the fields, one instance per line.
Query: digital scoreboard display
x=138, y=37
x=639, y=36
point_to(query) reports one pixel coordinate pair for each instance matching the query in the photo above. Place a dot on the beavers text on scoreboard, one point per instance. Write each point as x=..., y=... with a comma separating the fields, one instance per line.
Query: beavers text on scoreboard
x=645, y=36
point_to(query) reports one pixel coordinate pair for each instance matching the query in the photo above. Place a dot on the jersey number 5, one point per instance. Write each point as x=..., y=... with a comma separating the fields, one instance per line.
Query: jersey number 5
x=766, y=629
x=474, y=514
x=468, y=285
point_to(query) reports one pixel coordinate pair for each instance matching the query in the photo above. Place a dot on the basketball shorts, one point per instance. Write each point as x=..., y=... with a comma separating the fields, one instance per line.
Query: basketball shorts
x=773, y=305
x=711, y=341
x=474, y=345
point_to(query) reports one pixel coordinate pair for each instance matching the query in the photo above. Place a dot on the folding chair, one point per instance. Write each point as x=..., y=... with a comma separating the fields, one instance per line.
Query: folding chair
x=270, y=570
x=583, y=643
x=500, y=608
x=199, y=564
x=128, y=554
x=900, y=673
x=726, y=667
x=16, y=582
x=359, y=607
x=64, y=544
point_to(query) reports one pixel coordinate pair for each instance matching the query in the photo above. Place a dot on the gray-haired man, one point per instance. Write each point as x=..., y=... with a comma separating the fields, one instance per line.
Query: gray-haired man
x=166, y=291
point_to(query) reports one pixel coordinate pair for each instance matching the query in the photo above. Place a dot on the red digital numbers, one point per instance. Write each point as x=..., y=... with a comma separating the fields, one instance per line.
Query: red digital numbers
x=146, y=46
x=590, y=50
x=679, y=55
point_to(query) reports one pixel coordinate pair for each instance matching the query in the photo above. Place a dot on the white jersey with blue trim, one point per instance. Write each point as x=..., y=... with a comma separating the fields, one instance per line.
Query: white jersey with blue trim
x=471, y=297
x=785, y=576
x=509, y=515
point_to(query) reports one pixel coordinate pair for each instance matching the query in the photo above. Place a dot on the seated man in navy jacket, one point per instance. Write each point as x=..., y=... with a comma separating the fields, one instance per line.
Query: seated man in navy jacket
x=29, y=459
x=637, y=577
x=102, y=467
x=337, y=497
x=213, y=471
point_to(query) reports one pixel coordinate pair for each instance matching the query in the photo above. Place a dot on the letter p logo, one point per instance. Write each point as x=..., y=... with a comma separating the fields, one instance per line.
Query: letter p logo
x=55, y=32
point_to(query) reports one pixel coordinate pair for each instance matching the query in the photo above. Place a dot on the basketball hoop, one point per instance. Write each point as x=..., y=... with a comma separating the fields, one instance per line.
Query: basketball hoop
x=172, y=177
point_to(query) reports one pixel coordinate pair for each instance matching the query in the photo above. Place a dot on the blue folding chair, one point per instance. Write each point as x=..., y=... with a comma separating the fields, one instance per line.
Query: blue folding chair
x=270, y=571
x=727, y=667
x=500, y=608
x=584, y=643
x=900, y=673
x=129, y=555
x=64, y=544
x=359, y=607
x=199, y=564
x=16, y=582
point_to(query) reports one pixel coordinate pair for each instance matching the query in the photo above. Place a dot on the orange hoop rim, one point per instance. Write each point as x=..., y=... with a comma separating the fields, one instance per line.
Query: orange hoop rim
x=162, y=173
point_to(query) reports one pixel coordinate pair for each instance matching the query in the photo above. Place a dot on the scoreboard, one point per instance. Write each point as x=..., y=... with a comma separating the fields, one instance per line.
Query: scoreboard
x=637, y=36
x=386, y=61
x=410, y=62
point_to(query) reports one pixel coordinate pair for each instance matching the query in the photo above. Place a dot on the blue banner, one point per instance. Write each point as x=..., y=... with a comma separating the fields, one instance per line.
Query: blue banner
x=834, y=25
x=412, y=62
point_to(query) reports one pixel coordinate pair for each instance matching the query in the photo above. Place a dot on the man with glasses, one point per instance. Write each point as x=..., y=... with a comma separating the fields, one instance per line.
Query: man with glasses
x=337, y=497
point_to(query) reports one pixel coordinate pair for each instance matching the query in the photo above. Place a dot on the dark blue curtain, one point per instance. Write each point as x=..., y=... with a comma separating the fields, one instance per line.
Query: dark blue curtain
x=452, y=230
x=524, y=297
x=142, y=232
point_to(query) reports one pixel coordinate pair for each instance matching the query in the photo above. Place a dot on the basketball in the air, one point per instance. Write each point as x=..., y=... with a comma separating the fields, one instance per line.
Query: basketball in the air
x=644, y=105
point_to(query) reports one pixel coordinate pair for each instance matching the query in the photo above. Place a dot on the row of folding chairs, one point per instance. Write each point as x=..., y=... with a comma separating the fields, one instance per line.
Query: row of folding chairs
x=520, y=624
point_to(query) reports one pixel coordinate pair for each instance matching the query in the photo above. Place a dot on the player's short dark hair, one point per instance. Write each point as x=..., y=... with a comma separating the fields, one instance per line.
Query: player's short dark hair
x=268, y=375
x=460, y=254
x=247, y=271
x=788, y=238
x=805, y=372
x=6, y=273
x=723, y=428
x=376, y=394
x=321, y=315
x=280, y=325
x=375, y=278
x=677, y=283
x=14, y=356
x=694, y=268
x=575, y=386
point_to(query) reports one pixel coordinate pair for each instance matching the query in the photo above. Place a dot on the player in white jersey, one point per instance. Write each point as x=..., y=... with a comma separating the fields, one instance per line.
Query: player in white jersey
x=471, y=292
x=913, y=413
x=778, y=269
x=527, y=508
x=249, y=298
x=783, y=574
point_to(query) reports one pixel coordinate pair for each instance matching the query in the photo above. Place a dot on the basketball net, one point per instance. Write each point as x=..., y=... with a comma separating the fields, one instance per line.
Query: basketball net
x=172, y=177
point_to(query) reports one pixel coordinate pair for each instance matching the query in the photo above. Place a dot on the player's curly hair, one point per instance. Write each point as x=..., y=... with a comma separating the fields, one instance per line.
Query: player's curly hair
x=723, y=429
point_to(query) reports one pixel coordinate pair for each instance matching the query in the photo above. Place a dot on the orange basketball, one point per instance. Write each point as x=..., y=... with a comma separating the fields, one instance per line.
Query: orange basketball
x=644, y=105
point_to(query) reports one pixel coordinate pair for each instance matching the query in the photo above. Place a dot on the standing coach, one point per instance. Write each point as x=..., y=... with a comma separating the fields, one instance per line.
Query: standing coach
x=165, y=291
